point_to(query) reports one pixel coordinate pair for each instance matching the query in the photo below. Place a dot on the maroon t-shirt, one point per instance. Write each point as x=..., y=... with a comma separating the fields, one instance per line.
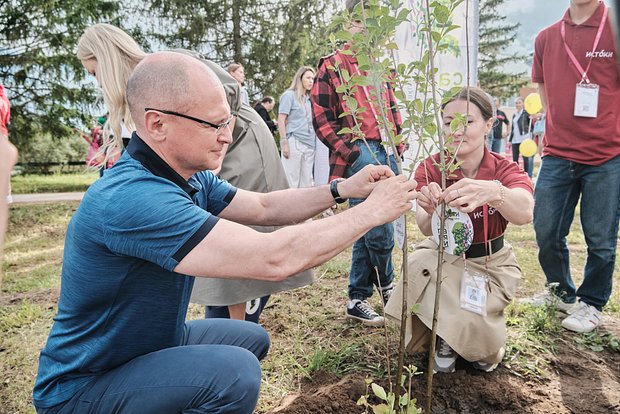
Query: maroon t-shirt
x=591, y=141
x=493, y=167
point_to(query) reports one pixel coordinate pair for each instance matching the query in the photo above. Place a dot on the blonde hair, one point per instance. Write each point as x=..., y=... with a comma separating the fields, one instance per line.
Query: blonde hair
x=233, y=67
x=297, y=85
x=116, y=54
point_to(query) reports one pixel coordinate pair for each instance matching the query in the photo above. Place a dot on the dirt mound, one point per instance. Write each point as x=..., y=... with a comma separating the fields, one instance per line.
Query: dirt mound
x=580, y=381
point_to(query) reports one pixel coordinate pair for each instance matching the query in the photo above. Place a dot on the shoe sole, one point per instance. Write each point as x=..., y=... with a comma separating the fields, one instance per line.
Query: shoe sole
x=579, y=329
x=444, y=372
x=366, y=321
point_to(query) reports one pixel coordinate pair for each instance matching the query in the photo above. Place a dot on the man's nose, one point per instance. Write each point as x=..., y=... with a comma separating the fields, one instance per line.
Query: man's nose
x=225, y=134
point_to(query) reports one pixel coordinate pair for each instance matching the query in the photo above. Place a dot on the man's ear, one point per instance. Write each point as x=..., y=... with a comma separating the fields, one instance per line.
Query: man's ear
x=155, y=125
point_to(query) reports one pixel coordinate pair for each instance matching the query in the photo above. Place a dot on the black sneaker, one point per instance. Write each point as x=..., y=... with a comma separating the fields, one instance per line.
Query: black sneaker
x=360, y=310
x=386, y=292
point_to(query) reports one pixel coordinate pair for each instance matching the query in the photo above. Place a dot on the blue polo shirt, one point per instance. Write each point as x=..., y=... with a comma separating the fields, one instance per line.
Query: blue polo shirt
x=120, y=297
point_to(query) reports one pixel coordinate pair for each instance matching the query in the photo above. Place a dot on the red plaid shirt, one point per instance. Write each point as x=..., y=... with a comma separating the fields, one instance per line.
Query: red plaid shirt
x=328, y=105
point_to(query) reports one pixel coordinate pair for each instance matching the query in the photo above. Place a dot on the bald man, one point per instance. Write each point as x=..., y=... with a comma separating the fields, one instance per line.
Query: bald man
x=120, y=342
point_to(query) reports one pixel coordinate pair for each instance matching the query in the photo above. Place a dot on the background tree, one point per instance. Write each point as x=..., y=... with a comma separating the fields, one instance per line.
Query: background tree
x=270, y=38
x=497, y=35
x=38, y=66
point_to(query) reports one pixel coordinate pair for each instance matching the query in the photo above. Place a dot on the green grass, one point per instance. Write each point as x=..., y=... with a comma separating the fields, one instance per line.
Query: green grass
x=53, y=183
x=307, y=326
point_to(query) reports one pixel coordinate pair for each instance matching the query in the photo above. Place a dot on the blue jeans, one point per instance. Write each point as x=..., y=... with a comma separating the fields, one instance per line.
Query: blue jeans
x=528, y=162
x=558, y=188
x=496, y=145
x=374, y=249
x=251, y=315
x=214, y=370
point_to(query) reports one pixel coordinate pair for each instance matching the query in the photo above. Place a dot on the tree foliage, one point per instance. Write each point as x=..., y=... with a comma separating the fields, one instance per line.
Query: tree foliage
x=270, y=38
x=496, y=36
x=38, y=67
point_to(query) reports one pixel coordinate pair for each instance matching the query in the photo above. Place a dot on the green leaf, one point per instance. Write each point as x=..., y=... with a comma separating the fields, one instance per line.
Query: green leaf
x=381, y=409
x=404, y=399
x=342, y=88
x=441, y=13
x=379, y=391
x=345, y=75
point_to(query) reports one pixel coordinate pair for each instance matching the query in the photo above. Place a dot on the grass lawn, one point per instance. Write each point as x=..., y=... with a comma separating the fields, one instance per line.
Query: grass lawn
x=307, y=326
x=52, y=183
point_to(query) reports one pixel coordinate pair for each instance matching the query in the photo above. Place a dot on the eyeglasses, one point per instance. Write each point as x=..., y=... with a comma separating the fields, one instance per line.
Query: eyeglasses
x=218, y=127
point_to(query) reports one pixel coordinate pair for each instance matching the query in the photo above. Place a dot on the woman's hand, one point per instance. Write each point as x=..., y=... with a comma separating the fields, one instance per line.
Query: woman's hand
x=467, y=194
x=429, y=196
x=285, y=148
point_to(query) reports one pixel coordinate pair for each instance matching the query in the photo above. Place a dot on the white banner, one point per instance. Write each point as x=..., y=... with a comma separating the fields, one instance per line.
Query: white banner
x=452, y=63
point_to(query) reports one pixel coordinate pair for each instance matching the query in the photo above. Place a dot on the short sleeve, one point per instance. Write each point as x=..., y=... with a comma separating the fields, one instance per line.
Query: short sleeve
x=286, y=103
x=163, y=229
x=512, y=176
x=216, y=193
x=538, y=75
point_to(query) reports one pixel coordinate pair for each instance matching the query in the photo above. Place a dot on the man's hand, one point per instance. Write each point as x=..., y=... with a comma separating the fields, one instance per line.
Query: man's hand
x=362, y=184
x=391, y=197
x=428, y=197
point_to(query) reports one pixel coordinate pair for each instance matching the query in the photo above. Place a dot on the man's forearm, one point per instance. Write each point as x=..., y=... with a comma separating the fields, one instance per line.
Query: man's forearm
x=277, y=255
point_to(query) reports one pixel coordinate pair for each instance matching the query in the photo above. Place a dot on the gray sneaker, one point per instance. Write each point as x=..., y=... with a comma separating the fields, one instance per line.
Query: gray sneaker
x=445, y=357
x=549, y=299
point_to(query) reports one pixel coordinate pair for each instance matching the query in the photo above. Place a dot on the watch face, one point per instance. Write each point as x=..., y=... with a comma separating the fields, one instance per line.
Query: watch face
x=458, y=230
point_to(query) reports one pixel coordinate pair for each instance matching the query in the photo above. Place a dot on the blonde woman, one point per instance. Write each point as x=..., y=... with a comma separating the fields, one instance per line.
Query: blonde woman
x=110, y=55
x=250, y=162
x=297, y=137
x=237, y=71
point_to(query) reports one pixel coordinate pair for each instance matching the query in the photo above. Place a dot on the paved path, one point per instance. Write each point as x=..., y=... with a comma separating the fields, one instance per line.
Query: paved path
x=46, y=197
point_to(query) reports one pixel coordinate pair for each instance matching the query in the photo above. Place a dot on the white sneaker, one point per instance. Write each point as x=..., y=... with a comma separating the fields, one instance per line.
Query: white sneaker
x=486, y=366
x=584, y=318
x=445, y=357
x=549, y=299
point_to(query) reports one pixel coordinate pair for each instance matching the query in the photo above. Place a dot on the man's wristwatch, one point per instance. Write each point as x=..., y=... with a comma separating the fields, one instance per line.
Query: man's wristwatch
x=333, y=187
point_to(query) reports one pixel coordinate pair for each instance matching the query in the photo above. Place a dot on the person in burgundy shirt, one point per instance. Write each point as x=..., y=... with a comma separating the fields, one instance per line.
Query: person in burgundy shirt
x=580, y=158
x=347, y=156
x=493, y=191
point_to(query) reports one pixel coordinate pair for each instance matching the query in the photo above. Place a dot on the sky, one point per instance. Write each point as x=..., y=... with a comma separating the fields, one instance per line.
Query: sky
x=534, y=15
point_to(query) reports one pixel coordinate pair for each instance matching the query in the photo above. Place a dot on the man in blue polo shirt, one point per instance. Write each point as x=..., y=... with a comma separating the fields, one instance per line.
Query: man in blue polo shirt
x=120, y=342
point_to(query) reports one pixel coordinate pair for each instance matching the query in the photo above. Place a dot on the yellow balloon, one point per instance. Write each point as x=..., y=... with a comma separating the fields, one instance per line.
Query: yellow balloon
x=533, y=104
x=528, y=147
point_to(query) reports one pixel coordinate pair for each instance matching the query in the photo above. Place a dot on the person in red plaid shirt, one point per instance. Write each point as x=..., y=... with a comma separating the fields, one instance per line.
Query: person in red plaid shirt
x=348, y=156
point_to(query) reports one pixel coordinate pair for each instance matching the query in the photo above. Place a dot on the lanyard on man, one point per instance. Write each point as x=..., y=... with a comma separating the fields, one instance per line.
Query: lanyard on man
x=586, y=92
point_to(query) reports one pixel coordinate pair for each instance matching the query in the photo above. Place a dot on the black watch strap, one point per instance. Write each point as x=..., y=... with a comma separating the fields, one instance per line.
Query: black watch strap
x=333, y=187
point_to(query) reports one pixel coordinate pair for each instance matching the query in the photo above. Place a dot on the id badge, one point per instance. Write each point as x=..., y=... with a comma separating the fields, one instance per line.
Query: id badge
x=586, y=100
x=474, y=288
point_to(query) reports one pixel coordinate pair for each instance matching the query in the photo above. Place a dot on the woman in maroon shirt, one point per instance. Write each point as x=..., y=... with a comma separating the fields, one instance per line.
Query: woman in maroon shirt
x=480, y=283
